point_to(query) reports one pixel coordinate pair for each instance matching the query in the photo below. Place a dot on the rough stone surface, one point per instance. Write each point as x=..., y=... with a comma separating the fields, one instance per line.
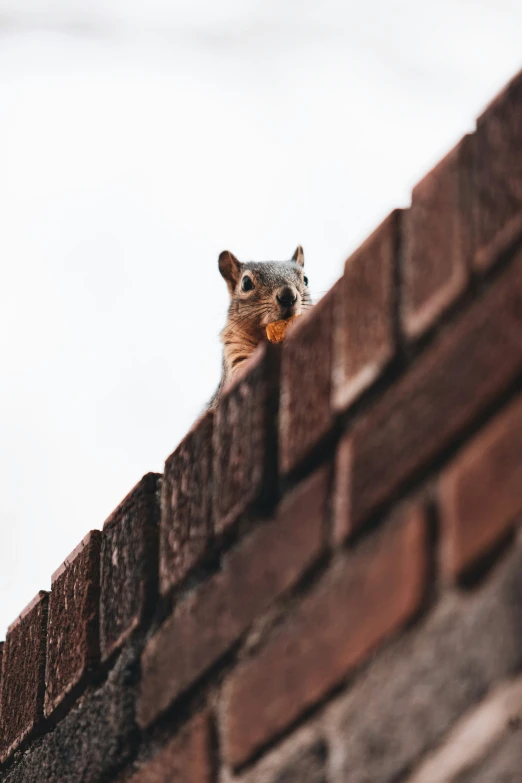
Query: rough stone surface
x=129, y=563
x=265, y=644
x=474, y=736
x=73, y=627
x=503, y=765
x=481, y=491
x=186, y=505
x=23, y=675
x=357, y=605
x=415, y=691
x=215, y=615
x=244, y=440
x=96, y=738
x=307, y=767
x=302, y=762
x=185, y=759
x=437, y=240
x=363, y=317
x=498, y=175
x=305, y=414
x=446, y=388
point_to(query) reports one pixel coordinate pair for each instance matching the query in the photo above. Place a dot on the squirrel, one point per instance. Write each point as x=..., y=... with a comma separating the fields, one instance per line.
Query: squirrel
x=261, y=292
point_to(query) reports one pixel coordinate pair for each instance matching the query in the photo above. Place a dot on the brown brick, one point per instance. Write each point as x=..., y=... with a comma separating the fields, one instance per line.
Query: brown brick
x=94, y=740
x=354, y=608
x=185, y=759
x=407, y=700
x=363, y=328
x=217, y=613
x=498, y=174
x=244, y=440
x=481, y=491
x=129, y=562
x=23, y=675
x=437, y=240
x=186, y=505
x=452, y=383
x=73, y=641
x=305, y=414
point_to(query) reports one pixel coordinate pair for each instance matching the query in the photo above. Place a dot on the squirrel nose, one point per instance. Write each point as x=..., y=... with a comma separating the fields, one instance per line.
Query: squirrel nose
x=286, y=296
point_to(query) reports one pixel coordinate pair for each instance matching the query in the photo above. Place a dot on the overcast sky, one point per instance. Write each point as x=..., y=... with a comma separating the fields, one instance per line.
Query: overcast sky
x=140, y=138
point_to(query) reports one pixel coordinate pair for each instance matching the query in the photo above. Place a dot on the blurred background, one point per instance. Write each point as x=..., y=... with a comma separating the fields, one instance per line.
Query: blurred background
x=138, y=139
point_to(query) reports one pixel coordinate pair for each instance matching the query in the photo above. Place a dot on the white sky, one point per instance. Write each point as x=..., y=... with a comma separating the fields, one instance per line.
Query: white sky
x=140, y=138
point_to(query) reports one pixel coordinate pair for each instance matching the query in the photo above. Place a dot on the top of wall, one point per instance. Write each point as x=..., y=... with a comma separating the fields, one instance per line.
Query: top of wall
x=373, y=454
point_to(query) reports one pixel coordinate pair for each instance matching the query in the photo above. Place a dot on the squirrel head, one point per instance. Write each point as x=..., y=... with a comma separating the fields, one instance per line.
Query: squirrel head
x=264, y=292
x=260, y=293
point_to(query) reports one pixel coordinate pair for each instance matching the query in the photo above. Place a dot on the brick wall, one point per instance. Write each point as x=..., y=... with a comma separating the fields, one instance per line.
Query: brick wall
x=325, y=584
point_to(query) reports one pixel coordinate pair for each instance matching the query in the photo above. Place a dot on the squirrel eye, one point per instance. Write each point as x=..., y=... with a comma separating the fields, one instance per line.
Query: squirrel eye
x=305, y=280
x=247, y=284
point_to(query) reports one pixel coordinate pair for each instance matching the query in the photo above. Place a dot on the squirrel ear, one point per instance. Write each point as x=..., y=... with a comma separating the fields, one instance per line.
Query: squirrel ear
x=298, y=256
x=230, y=269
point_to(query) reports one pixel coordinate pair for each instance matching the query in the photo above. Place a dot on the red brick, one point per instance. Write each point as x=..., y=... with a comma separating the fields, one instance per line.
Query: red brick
x=217, y=613
x=353, y=609
x=23, y=675
x=363, y=328
x=498, y=175
x=185, y=759
x=467, y=367
x=481, y=491
x=437, y=241
x=244, y=440
x=186, y=505
x=129, y=563
x=305, y=414
x=73, y=642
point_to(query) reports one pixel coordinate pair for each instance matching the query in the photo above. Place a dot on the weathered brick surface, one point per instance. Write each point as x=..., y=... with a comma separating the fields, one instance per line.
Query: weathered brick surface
x=357, y=605
x=215, y=615
x=437, y=240
x=307, y=767
x=447, y=387
x=23, y=675
x=185, y=759
x=97, y=737
x=363, y=318
x=186, y=505
x=305, y=761
x=305, y=414
x=498, y=174
x=481, y=491
x=283, y=644
x=129, y=562
x=244, y=440
x=502, y=765
x=414, y=691
x=73, y=643
x=474, y=736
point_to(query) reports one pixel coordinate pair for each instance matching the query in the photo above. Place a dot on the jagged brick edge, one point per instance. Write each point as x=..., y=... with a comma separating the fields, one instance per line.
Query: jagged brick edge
x=359, y=446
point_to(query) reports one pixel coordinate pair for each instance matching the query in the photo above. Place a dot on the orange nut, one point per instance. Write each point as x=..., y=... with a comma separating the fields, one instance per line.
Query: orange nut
x=276, y=331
